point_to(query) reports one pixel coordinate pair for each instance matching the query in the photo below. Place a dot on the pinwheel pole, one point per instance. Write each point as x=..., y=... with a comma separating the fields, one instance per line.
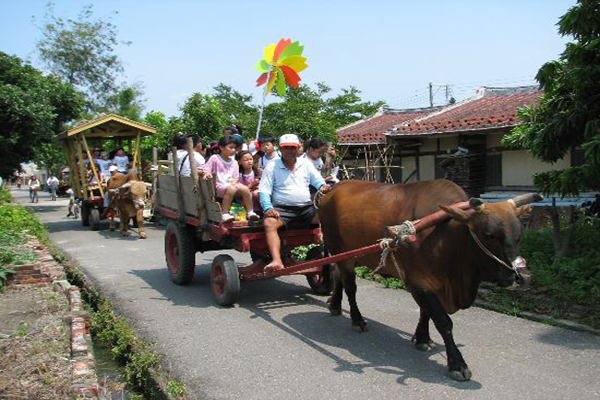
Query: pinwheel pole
x=262, y=106
x=280, y=67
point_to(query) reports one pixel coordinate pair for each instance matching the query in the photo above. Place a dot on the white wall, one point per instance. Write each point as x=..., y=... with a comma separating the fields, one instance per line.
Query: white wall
x=518, y=167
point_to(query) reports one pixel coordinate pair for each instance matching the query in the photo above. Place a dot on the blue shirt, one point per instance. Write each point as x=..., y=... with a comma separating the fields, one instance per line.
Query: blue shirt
x=280, y=186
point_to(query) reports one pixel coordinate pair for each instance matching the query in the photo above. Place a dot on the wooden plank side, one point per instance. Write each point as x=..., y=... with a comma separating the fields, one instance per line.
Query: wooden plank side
x=169, y=199
x=167, y=182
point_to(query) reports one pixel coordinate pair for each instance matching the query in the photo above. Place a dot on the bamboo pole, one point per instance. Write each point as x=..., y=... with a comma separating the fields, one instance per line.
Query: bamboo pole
x=82, y=171
x=92, y=164
x=180, y=201
x=137, y=157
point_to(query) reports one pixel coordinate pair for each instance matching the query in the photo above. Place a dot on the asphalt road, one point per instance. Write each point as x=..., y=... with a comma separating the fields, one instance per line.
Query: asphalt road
x=281, y=343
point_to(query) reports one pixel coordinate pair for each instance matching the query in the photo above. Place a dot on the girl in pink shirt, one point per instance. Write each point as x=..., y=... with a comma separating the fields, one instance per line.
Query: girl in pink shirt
x=248, y=175
x=226, y=172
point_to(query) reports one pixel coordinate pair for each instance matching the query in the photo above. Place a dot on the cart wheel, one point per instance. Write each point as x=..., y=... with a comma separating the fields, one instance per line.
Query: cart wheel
x=94, y=219
x=180, y=253
x=85, y=214
x=320, y=282
x=225, y=280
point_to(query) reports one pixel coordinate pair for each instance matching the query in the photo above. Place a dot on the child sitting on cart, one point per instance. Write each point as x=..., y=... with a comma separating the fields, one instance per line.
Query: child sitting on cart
x=248, y=174
x=227, y=179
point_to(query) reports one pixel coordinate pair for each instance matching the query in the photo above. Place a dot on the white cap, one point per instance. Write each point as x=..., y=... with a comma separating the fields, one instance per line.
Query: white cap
x=112, y=168
x=289, y=139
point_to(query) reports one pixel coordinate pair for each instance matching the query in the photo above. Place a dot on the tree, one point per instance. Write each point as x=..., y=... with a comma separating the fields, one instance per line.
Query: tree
x=127, y=102
x=308, y=113
x=82, y=52
x=202, y=115
x=33, y=109
x=568, y=115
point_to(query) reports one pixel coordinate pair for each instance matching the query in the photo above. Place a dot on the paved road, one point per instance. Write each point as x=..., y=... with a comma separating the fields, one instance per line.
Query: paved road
x=281, y=343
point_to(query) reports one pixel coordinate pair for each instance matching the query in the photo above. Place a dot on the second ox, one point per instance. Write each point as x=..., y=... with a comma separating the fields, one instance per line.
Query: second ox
x=128, y=196
x=443, y=269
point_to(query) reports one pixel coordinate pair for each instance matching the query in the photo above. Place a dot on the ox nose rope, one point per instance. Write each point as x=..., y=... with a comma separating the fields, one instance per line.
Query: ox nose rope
x=489, y=253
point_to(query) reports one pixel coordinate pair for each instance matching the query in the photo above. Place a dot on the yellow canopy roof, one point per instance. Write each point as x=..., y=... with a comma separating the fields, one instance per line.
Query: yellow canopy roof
x=108, y=126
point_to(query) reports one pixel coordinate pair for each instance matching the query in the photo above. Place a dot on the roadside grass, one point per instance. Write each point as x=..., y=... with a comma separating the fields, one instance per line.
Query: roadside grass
x=16, y=223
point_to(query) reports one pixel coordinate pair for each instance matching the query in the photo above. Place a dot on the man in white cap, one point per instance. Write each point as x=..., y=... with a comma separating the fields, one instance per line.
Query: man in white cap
x=284, y=194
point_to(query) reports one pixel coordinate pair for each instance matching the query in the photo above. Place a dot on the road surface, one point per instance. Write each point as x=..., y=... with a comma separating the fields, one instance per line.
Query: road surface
x=281, y=343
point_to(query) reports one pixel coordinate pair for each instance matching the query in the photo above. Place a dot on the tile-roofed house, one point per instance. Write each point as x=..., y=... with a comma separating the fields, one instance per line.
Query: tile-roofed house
x=371, y=130
x=461, y=142
x=491, y=108
x=365, y=139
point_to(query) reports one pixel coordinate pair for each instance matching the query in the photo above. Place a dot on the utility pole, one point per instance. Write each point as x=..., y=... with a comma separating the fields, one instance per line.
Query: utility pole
x=430, y=94
x=446, y=94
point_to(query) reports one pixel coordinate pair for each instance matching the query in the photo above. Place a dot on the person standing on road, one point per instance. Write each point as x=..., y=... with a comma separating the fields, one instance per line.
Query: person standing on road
x=52, y=183
x=34, y=186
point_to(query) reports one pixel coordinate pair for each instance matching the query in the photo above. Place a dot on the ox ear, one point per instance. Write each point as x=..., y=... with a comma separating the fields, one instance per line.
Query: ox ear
x=460, y=215
x=524, y=210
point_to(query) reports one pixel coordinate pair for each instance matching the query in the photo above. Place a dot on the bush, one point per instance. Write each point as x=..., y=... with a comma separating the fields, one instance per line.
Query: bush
x=572, y=278
x=5, y=196
x=17, y=219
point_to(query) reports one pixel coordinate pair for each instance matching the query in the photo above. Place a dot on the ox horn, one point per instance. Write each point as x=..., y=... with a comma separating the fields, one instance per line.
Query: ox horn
x=526, y=199
x=476, y=204
x=148, y=184
x=126, y=185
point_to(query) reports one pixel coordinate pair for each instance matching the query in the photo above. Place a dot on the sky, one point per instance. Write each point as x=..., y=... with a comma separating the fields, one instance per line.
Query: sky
x=390, y=50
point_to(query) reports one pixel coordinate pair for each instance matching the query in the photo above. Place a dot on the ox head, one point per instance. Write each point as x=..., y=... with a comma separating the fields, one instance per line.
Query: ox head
x=496, y=230
x=134, y=190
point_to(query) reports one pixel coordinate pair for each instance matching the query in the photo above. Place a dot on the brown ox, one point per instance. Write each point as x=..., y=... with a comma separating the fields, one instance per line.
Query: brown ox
x=443, y=269
x=127, y=195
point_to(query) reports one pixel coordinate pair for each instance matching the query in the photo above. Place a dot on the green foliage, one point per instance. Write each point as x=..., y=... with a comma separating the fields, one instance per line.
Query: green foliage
x=308, y=112
x=299, y=253
x=127, y=102
x=33, y=109
x=368, y=274
x=574, y=278
x=82, y=52
x=4, y=274
x=176, y=388
x=568, y=114
x=5, y=196
x=202, y=115
x=16, y=219
x=114, y=330
x=23, y=329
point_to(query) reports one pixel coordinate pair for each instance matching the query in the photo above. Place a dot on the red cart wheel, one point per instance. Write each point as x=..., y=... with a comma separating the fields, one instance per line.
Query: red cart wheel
x=180, y=253
x=225, y=280
x=320, y=282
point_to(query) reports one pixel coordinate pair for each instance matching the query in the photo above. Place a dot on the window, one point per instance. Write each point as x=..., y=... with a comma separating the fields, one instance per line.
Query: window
x=493, y=170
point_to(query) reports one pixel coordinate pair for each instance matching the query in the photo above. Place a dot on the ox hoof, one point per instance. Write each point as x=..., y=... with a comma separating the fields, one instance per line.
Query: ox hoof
x=425, y=346
x=360, y=327
x=142, y=236
x=336, y=312
x=125, y=233
x=461, y=376
x=112, y=228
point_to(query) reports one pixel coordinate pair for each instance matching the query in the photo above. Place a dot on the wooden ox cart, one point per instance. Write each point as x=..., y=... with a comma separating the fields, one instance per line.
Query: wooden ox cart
x=110, y=128
x=195, y=225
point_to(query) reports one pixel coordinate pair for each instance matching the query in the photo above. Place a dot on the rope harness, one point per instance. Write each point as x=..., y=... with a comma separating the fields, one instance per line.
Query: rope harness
x=489, y=253
x=318, y=196
x=388, y=247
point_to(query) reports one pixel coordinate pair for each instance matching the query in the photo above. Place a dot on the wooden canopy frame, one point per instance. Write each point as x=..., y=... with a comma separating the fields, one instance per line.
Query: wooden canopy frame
x=109, y=126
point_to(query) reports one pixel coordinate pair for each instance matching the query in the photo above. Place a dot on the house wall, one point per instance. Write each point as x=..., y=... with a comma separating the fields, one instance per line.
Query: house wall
x=518, y=167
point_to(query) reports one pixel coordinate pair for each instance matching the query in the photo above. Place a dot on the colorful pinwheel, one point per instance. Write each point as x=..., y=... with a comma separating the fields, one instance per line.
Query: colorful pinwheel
x=281, y=65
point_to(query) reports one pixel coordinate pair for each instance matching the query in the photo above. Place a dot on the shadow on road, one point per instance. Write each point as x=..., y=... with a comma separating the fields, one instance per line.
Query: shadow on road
x=389, y=350
x=571, y=340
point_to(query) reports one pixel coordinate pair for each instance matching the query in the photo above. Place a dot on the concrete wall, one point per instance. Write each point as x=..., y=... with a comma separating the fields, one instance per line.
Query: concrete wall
x=518, y=167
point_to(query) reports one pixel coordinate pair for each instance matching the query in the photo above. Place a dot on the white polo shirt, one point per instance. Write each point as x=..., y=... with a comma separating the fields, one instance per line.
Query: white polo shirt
x=289, y=188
